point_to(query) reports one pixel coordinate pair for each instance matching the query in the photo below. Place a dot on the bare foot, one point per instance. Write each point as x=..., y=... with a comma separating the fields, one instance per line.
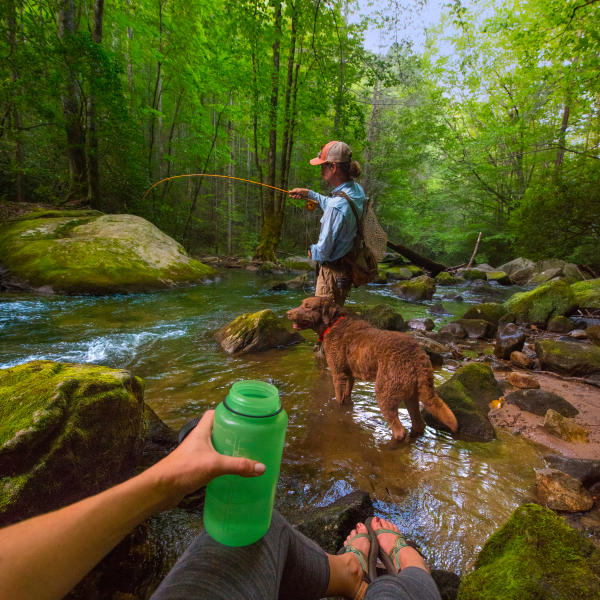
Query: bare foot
x=405, y=557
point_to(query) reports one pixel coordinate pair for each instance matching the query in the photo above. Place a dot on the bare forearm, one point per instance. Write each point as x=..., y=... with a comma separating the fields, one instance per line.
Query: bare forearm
x=46, y=556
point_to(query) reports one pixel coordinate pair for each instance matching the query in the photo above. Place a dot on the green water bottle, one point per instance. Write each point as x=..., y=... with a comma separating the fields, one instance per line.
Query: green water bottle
x=250, y=422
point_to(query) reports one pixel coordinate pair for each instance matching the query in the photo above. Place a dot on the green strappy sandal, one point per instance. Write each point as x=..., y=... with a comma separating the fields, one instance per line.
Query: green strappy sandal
x=390, y=561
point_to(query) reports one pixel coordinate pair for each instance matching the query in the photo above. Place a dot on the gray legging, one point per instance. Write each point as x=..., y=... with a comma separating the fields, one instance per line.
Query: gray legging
x=283, y=564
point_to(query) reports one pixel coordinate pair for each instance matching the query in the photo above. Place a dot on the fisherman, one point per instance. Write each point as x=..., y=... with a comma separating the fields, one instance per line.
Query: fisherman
x=338, y=224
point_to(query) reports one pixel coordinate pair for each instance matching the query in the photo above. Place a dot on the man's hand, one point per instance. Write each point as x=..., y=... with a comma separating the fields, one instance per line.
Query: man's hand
x=299, y=193
x=195, y=462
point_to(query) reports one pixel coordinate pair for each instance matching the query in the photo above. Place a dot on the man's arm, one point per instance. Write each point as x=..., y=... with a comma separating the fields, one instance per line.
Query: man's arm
x=44, y=557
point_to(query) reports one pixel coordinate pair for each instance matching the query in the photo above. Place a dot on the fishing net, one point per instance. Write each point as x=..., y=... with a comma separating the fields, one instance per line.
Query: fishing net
x=375, y=236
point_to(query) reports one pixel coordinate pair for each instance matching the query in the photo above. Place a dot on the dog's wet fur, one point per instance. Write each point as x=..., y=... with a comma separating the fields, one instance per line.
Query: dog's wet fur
x=355, y=350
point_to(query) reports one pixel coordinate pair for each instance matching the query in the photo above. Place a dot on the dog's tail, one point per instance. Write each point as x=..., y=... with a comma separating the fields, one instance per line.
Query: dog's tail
x=432, y=402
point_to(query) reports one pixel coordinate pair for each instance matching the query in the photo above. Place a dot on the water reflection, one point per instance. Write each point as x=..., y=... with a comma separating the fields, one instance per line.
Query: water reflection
x=448, y=495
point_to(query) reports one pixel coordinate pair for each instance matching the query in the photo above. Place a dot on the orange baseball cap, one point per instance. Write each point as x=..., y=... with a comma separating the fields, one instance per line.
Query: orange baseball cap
x=333, y=152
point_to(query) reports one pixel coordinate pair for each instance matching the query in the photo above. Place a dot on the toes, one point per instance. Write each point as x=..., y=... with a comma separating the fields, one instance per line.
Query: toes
x=351, y=535
x=361, y=528
x=389, y=525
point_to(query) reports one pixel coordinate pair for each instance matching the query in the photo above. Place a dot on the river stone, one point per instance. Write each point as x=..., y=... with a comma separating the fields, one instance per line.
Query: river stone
x=86, y=252
x=468, y=394
x=422, y=324
x=477, y=328
x=586, y=470
x=593, y=334
x=520, y=359
x=571, y=273
x=560, y=324
x=383, y=316
x=558, y=491
x=542, y=303
x=444, y=278
x=499, y=277
x=516, y=265
x=522, y=276
x=564, y=428
x=472, y=274
x=587, y=293
x=509, y=338
x=490, y=311
x=255, y=332
x=525, y=560
x=578, y=334
x=66, y=432
x=568, y=358
x=435, y=351
x=523, y=381
x=545, y=276
x=454, y=329
x=159, y=438
x=330, y=525
x=418, y=288
x=539, y=401
x=398, y=273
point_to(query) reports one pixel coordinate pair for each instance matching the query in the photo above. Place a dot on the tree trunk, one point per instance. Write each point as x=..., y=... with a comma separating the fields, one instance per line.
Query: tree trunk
x=417, y=259
x=93, y=171
x=71, y=106
x=562, y=136
x=370, y=142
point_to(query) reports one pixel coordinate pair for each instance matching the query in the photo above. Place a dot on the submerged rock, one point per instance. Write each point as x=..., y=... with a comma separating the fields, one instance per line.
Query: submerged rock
x=539, y=402
x=419, y=288
x=468, y=393
x=542, y=303
x=558, y=491
x=254, y=332
x=568, y=358
x=66, y=432
x=526, y=560
x=86, y=252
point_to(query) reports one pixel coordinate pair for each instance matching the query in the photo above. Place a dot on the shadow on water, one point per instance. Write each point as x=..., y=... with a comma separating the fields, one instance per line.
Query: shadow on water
x=448, y=495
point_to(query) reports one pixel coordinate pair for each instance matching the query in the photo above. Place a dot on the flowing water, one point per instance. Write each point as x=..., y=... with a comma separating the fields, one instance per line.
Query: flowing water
x=448, y=495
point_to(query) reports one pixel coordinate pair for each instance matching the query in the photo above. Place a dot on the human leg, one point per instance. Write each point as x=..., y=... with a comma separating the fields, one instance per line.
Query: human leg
x=334, y=284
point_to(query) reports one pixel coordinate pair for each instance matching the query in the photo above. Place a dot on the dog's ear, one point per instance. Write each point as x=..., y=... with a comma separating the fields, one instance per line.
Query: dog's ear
x=330, y=311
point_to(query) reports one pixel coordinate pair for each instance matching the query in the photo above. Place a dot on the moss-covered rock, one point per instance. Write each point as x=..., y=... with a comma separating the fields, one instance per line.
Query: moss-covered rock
x=90, y=253
x=568, y=358
x=478, y=328
x=587, y=293
x=534, y=556
x=499, y=277
x=419, y=288
x=398, y=274
x=560, y=324
x=542, y=303
x=416, y=271
x=66, y=431
x=489, y=311
x=254, y=332
x=444, y=278
x=297, y=265
x=565, y=429
x=593, y=334
x=472, y=274
x=545, y=276
x=468, y=393
x=383, y=316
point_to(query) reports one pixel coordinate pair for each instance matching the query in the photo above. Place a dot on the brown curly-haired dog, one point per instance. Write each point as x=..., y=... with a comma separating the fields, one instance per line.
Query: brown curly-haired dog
x=355, y=350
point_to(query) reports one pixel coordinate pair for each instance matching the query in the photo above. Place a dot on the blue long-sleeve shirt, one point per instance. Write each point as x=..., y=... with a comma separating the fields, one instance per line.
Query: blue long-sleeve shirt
x=338, y=225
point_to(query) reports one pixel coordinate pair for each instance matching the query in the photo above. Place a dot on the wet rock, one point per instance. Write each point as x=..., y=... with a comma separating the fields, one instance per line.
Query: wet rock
x=444, y=278
x=523, y=381
x=586, y=470
x=468, y=394
x=438, y=309
x=454, y=298
x=489, y=311
x=539, y=402
x=68, y=431
x=254, y=332
x=499, y=277
x=477, y=328
x=520, y=359
x=564, y=428
x=545, y=276
x=419, y=288
x=522, y=276
x=431, y=345
x=529, y=551
x=423, y=324
x=159, y=438
x=542, y=303
x=587, y=293
x=568, y=358
x=383, y=316
x=398, y=274
x=578, y=334
x=87, y=252
x=472, y=274
x=510, y=337
x=329, y=526
x=558, y=491
x=593, y=334
x=453, y=329
x=560, y=324
x=381, y=277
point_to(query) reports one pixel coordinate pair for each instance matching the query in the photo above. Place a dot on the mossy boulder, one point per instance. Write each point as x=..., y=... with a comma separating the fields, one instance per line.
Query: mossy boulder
x=545, y=276
x=568, y=358
x=468, y=393
x=66, y=431
x=86, y=252
x=444, y=278
x=419, y=288
x=542, y=303
x=478, y=328
x=255, y=332
x=560, y=324
x=297, y=265
x=534, y=556
x=383, y=316
x=489, y=311
x=472, y=274
x=416, y=271
x=587, y=293
x=398, y=274
x=499, y=277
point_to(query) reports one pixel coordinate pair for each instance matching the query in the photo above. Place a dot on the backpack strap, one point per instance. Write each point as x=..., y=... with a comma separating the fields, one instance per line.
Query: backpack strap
x=359, y=223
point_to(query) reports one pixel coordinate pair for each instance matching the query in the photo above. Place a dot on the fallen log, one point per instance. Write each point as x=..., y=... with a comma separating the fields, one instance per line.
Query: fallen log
x=417, y=259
